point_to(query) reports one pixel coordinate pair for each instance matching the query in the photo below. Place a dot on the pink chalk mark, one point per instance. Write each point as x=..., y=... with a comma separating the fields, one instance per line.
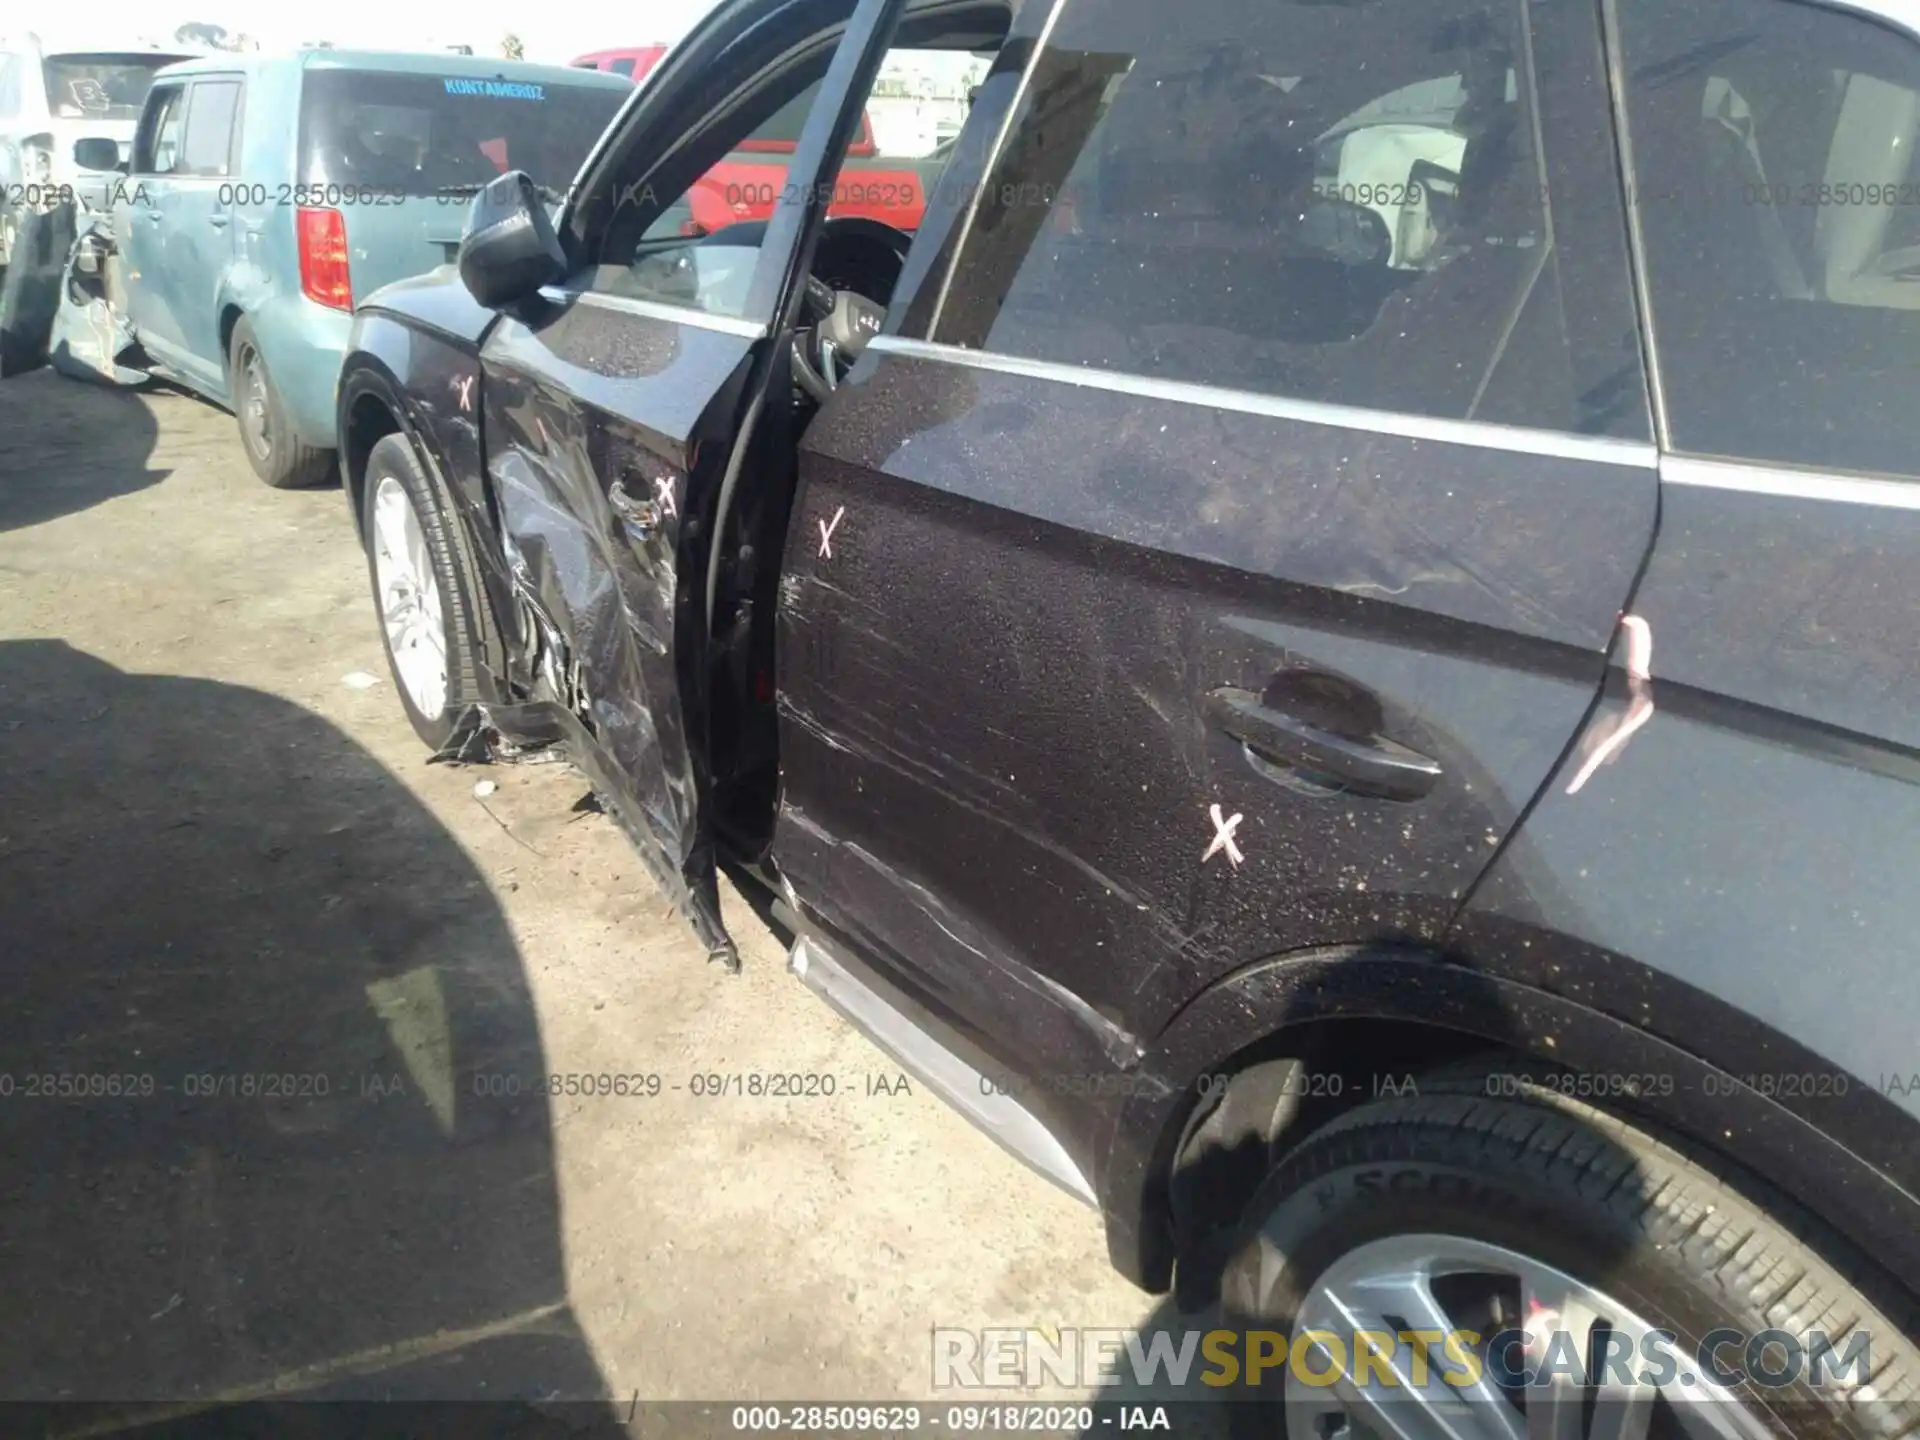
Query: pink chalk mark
x=1610, y=737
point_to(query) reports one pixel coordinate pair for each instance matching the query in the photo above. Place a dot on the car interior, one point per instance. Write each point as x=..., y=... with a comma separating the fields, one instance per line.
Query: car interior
x=635, y=245
x=1806, y=170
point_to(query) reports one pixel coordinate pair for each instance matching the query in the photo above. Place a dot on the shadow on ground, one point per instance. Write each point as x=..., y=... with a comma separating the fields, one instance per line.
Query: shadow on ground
x=89, y=443
x=263, y=1023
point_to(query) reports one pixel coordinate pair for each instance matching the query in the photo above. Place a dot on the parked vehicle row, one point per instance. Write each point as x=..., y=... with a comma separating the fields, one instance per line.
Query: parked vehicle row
x=263, y=195
x=49, y=101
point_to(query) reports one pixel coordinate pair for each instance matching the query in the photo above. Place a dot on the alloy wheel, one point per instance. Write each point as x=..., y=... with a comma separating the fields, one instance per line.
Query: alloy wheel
x=411, y=607
x=1448, y=1284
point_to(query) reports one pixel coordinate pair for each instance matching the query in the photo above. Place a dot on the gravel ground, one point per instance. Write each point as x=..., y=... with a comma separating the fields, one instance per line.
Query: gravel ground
x=291, y=969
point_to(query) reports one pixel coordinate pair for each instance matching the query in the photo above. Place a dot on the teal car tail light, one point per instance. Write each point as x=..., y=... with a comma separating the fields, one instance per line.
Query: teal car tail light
x=324, y=274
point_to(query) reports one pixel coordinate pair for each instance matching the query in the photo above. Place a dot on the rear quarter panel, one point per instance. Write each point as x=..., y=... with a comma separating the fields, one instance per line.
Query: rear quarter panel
x=1740, y=880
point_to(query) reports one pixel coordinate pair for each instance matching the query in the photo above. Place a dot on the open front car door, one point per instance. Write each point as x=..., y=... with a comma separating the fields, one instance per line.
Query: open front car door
x=621, y=407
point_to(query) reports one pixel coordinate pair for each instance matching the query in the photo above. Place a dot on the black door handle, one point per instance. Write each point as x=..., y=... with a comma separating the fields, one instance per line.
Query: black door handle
x=1372, y=766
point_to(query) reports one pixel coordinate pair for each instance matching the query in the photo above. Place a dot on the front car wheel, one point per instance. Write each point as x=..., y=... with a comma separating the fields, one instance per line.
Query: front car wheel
x=423, y=595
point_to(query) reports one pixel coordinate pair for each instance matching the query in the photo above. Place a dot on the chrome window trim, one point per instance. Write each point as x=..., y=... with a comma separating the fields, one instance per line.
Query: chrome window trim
x=1755, y=479
x=658, y=310
x=1477, y=433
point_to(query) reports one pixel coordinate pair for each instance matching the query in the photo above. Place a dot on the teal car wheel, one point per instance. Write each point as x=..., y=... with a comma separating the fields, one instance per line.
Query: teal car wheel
x=277, y=455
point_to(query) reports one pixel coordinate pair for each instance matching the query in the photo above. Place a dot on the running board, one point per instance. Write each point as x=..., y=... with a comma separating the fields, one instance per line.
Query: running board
x=1003, y=1118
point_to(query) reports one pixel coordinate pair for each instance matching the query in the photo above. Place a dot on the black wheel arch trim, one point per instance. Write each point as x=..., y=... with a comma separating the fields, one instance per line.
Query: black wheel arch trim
x=365, y=374
x=1261, y=1003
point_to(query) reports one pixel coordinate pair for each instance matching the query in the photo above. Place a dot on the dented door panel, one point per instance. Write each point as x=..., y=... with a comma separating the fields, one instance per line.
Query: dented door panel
x=593, y=425
x=1000, y=724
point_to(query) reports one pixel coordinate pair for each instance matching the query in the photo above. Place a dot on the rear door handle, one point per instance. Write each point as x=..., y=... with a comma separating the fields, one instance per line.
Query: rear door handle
x=219, y=222
x=1371, y=766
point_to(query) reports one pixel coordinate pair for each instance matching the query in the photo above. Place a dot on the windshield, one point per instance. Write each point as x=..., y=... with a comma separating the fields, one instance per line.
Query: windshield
x=100, y=87
x=434, y=134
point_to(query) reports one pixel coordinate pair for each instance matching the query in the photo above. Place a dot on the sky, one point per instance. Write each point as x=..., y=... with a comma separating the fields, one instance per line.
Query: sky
x=550, y=32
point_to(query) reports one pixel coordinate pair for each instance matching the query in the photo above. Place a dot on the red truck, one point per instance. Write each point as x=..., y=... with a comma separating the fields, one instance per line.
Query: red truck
x=747, y=184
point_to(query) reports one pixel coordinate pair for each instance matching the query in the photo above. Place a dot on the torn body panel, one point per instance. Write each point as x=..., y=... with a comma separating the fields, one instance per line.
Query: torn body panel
x=91, y=337
x=603, y=524
x=528, y=731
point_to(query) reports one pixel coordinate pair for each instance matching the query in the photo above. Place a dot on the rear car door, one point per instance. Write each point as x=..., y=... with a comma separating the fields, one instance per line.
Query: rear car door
x=611, y=416
x=1225, y=538
x=197, y=228
x=140, y=215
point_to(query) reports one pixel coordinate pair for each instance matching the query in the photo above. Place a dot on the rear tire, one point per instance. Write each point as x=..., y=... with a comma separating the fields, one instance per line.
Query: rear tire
x=424, y=594
x=1574, y=1191
x=277, y=455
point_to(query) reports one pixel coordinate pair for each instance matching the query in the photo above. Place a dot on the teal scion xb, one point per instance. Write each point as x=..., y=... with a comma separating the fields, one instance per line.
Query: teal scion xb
x=265, y=194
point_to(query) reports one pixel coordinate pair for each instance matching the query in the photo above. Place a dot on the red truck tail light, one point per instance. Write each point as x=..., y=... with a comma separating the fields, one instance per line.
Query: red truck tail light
x=324, y=277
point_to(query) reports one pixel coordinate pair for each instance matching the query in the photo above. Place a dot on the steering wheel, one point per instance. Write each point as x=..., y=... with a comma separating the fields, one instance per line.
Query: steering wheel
x=856, y=265
x=838, y=325
x=862, y=255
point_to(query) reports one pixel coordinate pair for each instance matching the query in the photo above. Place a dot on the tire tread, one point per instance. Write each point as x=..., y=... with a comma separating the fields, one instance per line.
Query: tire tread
x=1765, y=1256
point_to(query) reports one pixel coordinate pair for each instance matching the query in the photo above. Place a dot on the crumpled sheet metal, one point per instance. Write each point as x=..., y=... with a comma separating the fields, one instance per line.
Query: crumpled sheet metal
x=575, y=576
x=576, y=570
x=90, y=340
x=537, y=731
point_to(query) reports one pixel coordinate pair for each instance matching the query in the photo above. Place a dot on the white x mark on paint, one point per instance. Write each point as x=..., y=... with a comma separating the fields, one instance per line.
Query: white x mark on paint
x=663, y=494
x=1223, y=829
x=827, y=528
x=465, y=386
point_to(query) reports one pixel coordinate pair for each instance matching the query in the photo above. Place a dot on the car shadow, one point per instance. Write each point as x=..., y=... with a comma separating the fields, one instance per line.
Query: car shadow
x=69, y=446
x=270, y=1127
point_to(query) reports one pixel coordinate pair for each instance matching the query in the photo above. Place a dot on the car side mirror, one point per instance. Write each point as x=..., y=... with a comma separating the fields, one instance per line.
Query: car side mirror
x=1343, y=231
x=97, y=152
x=509, y=249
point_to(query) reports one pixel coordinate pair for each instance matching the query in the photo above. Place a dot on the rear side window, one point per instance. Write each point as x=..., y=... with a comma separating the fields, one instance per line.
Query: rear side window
x=446, y=135
x=1330, y=202
x=1779, y=207
x=623, y=66
x=212, y=107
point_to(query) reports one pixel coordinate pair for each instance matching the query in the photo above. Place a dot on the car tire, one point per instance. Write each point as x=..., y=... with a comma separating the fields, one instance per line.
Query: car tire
x=1585, y=1195
x=425, y=595
x=277, y=455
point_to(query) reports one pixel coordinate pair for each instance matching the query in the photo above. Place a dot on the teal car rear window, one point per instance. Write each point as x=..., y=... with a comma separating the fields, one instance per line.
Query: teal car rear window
x=429, y=134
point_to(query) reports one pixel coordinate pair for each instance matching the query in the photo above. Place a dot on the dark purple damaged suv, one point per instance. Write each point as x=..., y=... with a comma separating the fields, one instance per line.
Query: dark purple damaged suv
x=1328, y=648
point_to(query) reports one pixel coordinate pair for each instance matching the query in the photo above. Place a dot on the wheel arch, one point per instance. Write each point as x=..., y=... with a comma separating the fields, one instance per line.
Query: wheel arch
x=231, y=314
x=368, y=414
x=1235, y=1088
x=373, y=403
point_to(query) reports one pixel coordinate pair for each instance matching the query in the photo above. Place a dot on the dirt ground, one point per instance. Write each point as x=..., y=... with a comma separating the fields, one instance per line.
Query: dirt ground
x=271, y=978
